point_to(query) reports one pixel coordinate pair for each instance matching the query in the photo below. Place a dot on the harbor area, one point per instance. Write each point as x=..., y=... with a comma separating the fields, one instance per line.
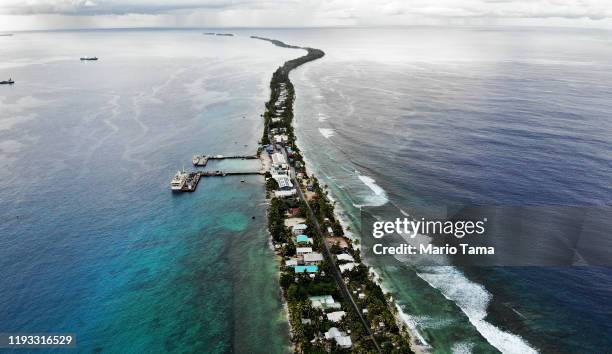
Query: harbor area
x=220, y=166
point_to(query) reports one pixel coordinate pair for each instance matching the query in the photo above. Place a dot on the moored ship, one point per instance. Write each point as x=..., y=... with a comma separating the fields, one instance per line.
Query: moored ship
x=178, y=181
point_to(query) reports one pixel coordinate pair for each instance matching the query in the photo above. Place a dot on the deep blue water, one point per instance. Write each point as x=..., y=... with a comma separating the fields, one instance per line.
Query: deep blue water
x=92, y=240
x=435, y=116
x=94, y=243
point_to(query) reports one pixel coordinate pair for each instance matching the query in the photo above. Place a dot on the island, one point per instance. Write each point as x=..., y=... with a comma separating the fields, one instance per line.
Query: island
x=335, y=302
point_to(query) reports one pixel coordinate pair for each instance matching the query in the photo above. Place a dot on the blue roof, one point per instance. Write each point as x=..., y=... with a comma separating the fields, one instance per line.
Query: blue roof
x=302, y=238
x=307, y=268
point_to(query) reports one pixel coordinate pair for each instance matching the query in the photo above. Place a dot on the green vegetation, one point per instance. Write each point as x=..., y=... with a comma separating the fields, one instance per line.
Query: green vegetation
x=308, y=323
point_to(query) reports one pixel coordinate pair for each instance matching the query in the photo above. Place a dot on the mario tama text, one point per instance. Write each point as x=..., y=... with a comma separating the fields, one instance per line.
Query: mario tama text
x=430, y=249
x=487, y=235
x=411, y=228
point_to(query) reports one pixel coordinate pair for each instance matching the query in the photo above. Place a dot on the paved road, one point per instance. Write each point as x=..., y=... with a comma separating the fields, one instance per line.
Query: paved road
x=336, y=272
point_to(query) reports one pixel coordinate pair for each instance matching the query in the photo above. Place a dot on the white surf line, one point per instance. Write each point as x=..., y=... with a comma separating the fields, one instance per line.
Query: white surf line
x=473, y=299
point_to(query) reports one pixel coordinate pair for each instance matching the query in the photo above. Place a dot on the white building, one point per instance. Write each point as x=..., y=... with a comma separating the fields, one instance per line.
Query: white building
x=278, y=159
x=299, y=229
x=303, y=250
x=313, y=258
x=346, y=267
x=324, y=302
x=341, y=338
x=284, y=182
x=336, y=316
x=345, y=257
x=285, y=194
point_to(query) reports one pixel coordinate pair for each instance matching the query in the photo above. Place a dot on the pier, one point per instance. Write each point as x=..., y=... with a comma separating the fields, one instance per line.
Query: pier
x=193, y=178
x=202, y=160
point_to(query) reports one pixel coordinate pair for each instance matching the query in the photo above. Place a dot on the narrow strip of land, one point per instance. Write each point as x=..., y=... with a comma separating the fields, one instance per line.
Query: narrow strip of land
x=302, y=223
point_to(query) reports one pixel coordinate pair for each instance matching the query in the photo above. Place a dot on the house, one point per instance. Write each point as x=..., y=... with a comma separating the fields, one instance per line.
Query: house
x=281, y=139
x=284, y=182
x=313, y=258
x=299, y=229
x=303, y=239
x=330, y=230
x=336, y=316
x=276, y=120
x=306, y=268
x=285, y=194
x=342, y=339
x=324, y=302
x=346, y=266
x=345, y=257
x=292, y=212
x=303, y=250
x=278, y=159
x=291, y=262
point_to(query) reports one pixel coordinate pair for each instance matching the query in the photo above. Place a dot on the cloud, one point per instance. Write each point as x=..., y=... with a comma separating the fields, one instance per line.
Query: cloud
x=297, y=13
x=114, y=7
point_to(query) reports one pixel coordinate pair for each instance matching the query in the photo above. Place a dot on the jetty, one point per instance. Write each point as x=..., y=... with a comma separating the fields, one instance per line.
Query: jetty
x=191, y=179
x=202, y=160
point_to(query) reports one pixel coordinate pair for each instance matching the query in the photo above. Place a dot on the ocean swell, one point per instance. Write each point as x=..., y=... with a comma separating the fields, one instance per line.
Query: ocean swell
x=473, y=299
x=378, y=198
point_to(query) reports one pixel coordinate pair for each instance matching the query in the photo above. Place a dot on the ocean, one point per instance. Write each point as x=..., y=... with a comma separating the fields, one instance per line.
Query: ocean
x=93, y=240
x=486, y=116
x=94, y=243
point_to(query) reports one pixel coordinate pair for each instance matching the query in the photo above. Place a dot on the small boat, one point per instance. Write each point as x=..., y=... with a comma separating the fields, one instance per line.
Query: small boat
x=89, y=58
x=8, y=82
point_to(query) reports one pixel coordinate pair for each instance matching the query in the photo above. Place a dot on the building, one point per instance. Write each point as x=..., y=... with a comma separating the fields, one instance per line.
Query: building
x=284, y=182
x=345, y=257
x=346, y=267
x=281, y=138
x=313, y=258
x=291, y=262
x=285, y=194
x=324, y=302
x=303, y=239
x=303, y=250
x=342, y=339
x=299, y=229
x=278, y=159
x=306, y=268
x=336, y=316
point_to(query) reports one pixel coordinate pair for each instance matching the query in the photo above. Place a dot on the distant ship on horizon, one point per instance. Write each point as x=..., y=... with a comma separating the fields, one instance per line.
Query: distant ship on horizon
x=89, y=58
x=7, y=82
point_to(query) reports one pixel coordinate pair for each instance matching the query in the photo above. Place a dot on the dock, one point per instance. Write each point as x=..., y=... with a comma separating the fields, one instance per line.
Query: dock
x=193, y=178
x=202, y=160
x=192, y=182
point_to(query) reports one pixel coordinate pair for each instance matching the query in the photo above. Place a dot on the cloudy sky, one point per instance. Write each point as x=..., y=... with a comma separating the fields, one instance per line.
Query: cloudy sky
x=53, y=14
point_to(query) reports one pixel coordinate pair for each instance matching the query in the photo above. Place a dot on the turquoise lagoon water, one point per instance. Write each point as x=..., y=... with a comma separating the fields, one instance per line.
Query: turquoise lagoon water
x=93, y=241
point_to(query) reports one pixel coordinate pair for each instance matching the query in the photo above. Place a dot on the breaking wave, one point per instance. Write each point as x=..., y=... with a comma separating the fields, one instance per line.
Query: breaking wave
x=378, y=198
x=473, y=299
